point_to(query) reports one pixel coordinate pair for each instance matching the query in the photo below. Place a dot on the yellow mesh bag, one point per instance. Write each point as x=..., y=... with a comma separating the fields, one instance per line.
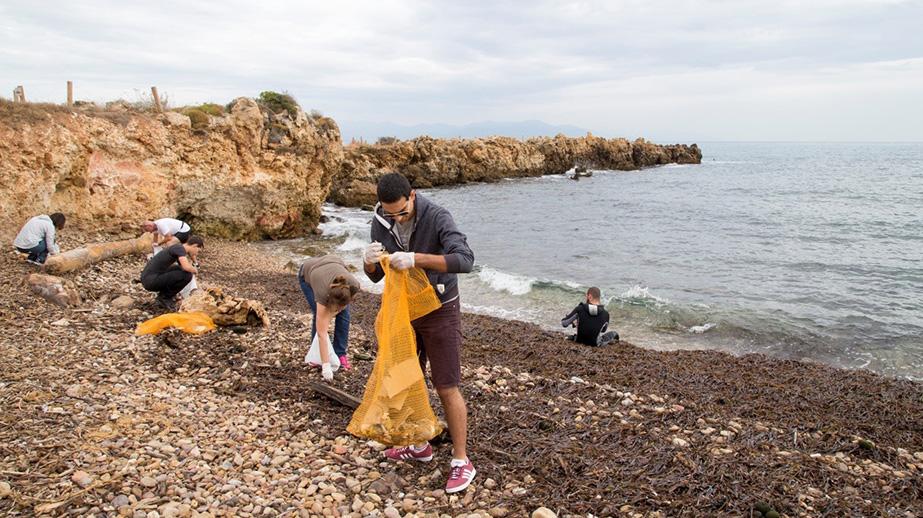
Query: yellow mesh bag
x=395, y=408
x=195, y=323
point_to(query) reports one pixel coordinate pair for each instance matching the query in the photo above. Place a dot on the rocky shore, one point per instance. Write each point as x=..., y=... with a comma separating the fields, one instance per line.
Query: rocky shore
x=98, y=422
x=429, y=162
x=247, y=172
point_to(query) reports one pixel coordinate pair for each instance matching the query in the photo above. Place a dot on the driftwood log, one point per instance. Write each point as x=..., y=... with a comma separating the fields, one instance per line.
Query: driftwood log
x=344, y=398
x=226, y=310
x=54, y=289
x=93, y=253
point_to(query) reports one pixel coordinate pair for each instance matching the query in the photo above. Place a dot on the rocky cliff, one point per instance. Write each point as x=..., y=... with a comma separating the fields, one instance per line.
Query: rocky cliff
x=250, y=173
x=247, y=174
x=429, y=162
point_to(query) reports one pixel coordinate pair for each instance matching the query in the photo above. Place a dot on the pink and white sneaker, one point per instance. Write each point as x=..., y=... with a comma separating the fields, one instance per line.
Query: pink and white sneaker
x=460, y=476
x=344, y=363
x=410, y=453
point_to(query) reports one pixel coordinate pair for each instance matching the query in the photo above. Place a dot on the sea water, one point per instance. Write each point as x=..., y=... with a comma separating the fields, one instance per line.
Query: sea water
x=809, y=251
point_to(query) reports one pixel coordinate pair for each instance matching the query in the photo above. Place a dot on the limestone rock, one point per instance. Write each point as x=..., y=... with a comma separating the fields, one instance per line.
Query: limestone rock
x=62, y=292
x=177, y=119
x=103, y=169
x=429, y=162
x=544, y=512
x=122, y=302
x=82, y=478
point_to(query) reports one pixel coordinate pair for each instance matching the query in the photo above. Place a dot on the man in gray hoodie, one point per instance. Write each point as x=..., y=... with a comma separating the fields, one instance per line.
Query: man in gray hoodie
x=417, y=232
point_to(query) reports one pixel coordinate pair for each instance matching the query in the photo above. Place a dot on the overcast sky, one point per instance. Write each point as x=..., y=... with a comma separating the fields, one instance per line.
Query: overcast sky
x=670, y=71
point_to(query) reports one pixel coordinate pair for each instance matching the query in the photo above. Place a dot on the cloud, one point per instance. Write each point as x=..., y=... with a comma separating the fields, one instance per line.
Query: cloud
x=616, y=67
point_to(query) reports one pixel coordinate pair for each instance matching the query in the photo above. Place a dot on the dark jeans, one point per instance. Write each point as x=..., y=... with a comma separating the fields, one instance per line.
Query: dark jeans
x=37, y=253
x=168, y=283
x=340, y=328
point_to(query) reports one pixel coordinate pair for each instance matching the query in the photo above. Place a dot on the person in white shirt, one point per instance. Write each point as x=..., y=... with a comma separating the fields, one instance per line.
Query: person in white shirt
x=37, y=237
x=166, y=230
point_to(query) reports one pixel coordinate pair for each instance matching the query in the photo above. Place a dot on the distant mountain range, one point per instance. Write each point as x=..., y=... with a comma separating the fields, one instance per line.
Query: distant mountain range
x=372, y=131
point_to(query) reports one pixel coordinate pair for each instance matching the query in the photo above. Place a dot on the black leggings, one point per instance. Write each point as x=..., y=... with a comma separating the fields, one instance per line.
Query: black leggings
x=168, y=283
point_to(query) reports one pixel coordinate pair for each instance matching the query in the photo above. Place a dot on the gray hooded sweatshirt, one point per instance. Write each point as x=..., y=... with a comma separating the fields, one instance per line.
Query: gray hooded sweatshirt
x=434, y=232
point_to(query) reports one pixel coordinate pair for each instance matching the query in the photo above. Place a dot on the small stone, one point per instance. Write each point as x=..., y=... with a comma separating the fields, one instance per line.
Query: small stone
x=122, y=302
x=625, y=402
x=680, y=442
x=339, y=449
x=148, y=482
x=119, y=501
x=498, y=512
x=544, y=512
x=5, y=489
x=409, y=504
x=490, y=483
x=391, y=512
x=82, y=478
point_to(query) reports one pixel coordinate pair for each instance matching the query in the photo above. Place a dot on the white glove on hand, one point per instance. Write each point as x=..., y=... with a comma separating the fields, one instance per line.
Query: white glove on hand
x=326, y=371
x=372, y=253
x=402, y=260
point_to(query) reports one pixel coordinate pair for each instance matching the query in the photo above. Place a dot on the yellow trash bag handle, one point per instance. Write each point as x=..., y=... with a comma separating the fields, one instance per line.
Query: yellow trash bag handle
x=194, y=322
x=395, y=408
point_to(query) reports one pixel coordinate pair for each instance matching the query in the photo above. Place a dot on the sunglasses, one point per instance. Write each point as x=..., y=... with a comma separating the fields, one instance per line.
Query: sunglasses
x=403, y=212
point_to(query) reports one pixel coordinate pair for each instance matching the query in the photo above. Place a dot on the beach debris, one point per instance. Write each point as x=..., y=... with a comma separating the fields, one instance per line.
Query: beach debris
x=225, y=423
x=226, y=310
x=194, y=322
x=95, y=252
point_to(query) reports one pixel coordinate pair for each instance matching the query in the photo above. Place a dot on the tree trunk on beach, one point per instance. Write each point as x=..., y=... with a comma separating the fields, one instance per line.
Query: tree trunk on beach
x=93, y=253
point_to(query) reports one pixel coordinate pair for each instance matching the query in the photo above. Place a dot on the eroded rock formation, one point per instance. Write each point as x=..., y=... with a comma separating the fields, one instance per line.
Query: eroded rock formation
x=429, y=162
x=251, y=174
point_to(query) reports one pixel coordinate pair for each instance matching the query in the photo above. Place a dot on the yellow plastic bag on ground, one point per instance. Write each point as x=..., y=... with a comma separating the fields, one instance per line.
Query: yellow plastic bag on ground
x=395, y=408
x=194, y=323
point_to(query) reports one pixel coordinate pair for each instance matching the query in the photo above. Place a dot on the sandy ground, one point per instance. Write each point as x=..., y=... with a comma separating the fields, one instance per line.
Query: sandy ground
x=99, y=422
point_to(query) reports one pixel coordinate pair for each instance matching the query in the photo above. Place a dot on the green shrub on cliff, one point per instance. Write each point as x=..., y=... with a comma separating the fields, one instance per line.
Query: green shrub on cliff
x=211, y=108
x=197, y=116
x=279, y=102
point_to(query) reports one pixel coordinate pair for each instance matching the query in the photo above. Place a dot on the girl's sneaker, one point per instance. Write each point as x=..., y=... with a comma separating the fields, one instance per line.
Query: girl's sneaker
x=344, y=363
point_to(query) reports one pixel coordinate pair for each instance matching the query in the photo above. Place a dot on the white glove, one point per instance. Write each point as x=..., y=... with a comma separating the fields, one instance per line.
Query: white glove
x=402, y=260
x=372, y=253
x=326, y=371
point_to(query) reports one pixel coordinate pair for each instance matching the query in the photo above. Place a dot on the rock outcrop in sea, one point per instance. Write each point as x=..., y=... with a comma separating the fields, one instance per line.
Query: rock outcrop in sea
x=249, y=172
x=430, y=162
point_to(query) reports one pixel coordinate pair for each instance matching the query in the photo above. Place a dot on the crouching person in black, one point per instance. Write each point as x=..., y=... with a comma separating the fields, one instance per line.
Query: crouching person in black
x=591, y=320
x=171, y=269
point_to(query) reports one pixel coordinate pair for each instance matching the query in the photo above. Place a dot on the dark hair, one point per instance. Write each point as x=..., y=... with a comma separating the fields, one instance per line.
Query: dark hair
x=341, y=293
x=392, y=187
x=593, y=293
x=58, y=220
x=195, y=240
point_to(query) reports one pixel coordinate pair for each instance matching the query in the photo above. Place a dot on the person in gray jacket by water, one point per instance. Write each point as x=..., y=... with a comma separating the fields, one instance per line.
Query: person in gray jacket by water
x=417, y=232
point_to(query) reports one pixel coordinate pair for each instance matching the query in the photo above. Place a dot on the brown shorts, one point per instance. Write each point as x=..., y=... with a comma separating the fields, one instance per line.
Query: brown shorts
x=439, y=340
